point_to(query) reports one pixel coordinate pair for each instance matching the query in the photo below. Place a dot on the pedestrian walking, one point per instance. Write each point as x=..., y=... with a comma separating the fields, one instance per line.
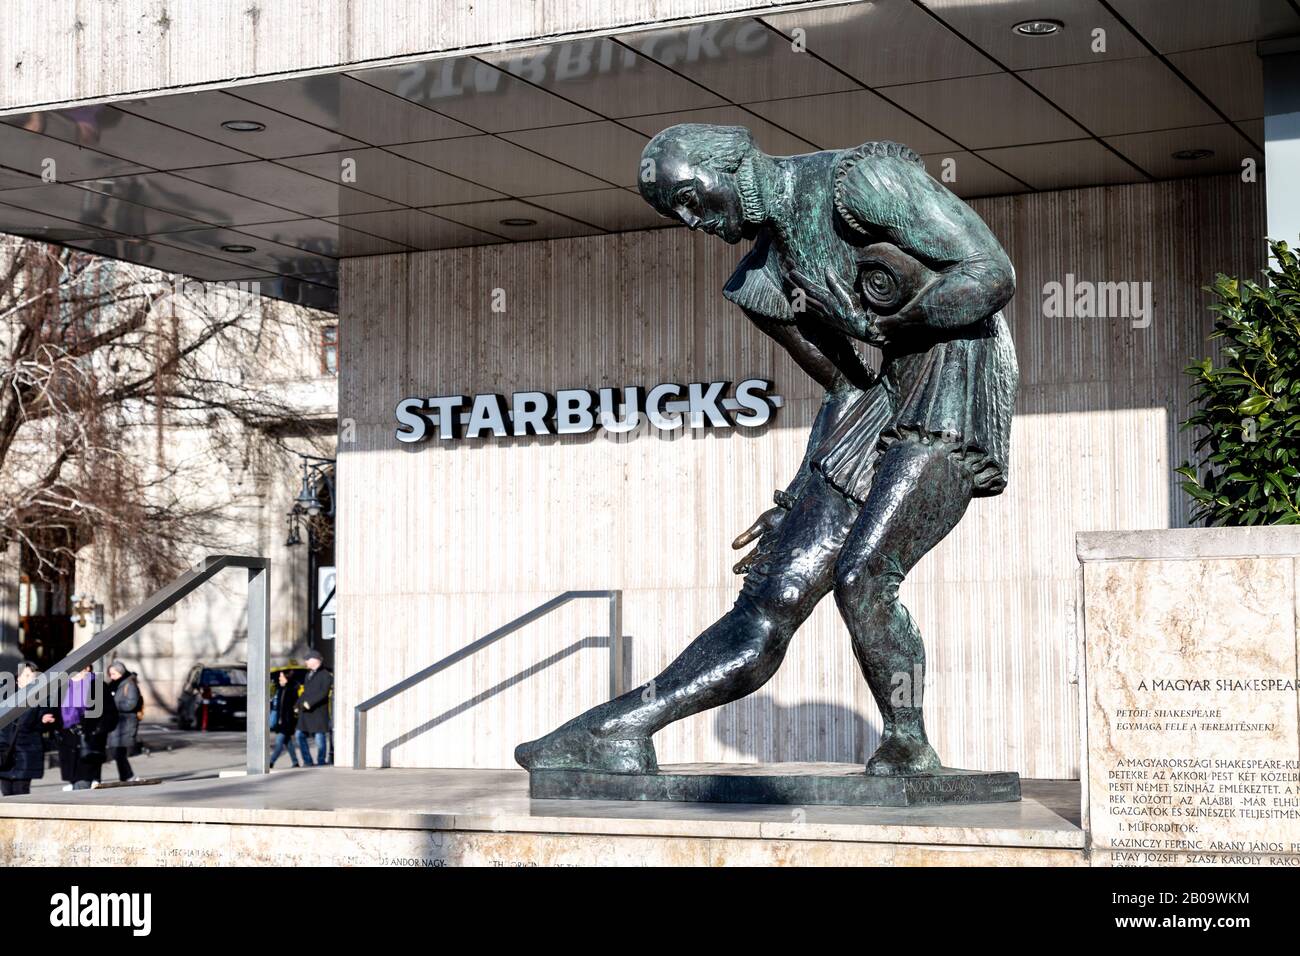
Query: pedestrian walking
x=314, y=708
x=125, y=689
x=22, y=748
x=87, y=716
x=284, y=719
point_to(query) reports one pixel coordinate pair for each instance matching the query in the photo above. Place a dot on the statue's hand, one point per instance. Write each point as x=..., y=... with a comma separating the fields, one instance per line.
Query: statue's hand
x=884, y=325
x=837, y=302
x=767, y=524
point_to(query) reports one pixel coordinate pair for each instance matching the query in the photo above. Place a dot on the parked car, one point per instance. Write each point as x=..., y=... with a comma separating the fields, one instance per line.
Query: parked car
x=213, y=696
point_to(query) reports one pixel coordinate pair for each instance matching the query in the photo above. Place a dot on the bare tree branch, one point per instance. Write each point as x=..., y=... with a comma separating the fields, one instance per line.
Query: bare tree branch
x=104, y=368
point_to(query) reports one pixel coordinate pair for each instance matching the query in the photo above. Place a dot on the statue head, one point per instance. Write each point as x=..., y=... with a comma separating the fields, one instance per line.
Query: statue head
x=693, y=172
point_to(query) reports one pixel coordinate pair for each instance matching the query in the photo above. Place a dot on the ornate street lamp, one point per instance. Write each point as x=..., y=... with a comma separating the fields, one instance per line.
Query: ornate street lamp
x=83, y=604
x=317, y=475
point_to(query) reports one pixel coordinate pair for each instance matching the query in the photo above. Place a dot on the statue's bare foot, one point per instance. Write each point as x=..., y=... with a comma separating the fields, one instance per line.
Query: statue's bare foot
x=900, y=754
x=572, y=748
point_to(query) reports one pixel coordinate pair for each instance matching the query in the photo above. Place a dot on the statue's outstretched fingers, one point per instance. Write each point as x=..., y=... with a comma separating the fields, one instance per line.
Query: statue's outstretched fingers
x=743, y=565
x=767, y=521
x=752, y=533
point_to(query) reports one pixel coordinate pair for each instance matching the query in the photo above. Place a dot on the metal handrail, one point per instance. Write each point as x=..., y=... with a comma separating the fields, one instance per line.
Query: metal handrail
x=615, y=599
x=259, y=630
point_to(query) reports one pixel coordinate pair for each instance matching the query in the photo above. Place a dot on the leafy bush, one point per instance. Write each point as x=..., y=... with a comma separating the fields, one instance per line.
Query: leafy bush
x=1249, y=408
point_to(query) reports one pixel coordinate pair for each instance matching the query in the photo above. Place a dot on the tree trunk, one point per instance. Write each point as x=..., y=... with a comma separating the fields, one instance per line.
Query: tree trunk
x=9, y=580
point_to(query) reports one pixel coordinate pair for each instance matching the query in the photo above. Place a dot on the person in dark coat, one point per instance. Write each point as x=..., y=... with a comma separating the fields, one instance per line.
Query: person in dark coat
x=86, y=717
x=124, y=687
x=22, y=751
x=284, y=719
x=314, y=708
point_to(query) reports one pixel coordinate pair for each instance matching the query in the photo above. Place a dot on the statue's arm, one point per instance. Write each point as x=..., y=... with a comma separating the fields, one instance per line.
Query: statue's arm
x=839, y=397
x=968, y=290
x=830, y=359
x=895, y=199
x=825, y=354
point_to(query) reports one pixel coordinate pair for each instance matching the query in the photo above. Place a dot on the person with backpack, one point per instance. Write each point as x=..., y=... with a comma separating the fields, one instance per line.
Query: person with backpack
x=125, y=690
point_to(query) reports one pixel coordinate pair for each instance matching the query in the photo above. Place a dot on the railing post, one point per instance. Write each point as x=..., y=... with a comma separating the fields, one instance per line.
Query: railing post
x=359, y=739
x=615, y=644
x=360, y=712
x=259, y=673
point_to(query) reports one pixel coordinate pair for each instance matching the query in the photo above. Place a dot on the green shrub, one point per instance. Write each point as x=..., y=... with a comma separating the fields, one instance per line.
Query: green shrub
x=1248, y=409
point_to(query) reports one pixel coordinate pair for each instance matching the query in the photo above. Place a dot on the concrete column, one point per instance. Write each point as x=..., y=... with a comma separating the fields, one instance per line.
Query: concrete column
x=1282, y=137
x=87, y=583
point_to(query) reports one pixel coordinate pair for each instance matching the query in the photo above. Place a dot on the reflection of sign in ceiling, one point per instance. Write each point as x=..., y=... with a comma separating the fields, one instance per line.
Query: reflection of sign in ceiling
x=575, y=411
x=579, y=60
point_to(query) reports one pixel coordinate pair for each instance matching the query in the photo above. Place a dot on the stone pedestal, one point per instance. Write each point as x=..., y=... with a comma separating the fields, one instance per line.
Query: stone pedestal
x=435, y=818
x=1189, y=696
x=787, y=784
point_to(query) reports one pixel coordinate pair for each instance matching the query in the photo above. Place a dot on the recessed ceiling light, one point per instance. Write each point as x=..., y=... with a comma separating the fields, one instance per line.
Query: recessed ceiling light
x=1190, y=154
x=238, y=249
x=243, y=126
x=518, y=221
x=1038, y=28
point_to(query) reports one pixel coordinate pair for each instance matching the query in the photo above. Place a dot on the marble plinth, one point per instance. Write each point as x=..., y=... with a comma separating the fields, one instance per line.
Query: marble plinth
x=788, y=784
x=331, y=816
x=1190, y=695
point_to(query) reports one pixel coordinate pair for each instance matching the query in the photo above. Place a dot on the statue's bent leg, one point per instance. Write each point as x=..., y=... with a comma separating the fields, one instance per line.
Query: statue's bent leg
x=734, y=657
x=919, y=494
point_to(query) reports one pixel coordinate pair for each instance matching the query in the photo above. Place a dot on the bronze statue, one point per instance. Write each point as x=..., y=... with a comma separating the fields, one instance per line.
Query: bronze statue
x=856, y=245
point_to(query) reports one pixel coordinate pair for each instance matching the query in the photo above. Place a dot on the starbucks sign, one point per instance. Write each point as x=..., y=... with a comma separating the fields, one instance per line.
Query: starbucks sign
x=575, y=411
